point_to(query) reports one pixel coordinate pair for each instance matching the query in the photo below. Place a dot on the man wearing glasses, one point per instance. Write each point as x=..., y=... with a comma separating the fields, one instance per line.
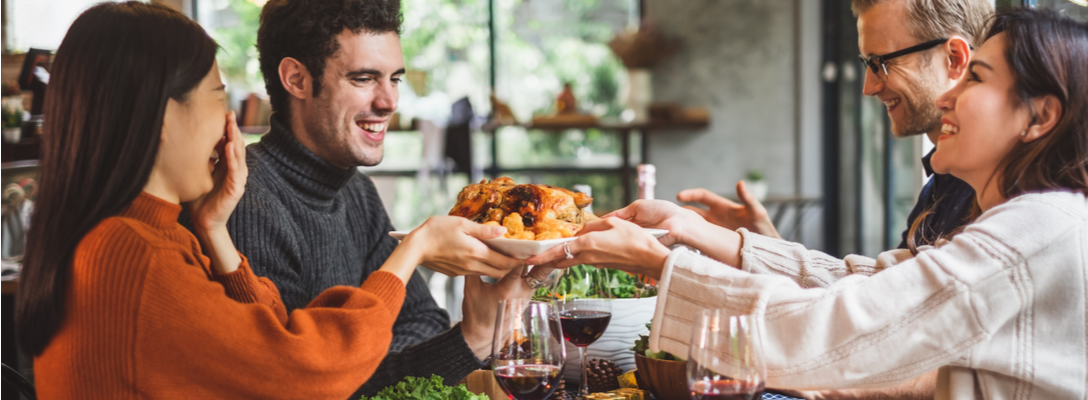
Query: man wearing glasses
x=913, y=54
x=912, y=51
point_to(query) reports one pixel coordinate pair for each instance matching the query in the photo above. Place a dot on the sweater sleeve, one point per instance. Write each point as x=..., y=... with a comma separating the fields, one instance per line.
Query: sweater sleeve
x=446, y=355
x=272, y=245
x=872, y=331
x=279, y=260
x=861, y=331
x=245, y=286
x=420, y=318
x=325, y=350
x=808, y=268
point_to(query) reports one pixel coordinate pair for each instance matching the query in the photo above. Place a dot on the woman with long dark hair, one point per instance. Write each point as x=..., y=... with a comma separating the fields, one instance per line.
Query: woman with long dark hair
x=1001, y=308
x=116, y=298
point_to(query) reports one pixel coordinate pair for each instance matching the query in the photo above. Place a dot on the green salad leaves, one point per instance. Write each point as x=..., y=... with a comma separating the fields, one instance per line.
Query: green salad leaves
x=642, y=347
x=413, y=388
x=622, y=284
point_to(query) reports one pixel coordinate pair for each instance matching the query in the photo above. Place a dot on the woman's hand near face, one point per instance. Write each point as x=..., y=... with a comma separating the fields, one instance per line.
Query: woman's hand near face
x=609, y=243
x=210, y=212
x=451, y=245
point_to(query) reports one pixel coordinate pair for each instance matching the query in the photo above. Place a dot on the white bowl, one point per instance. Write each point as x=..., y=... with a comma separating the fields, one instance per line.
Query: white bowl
x=522, y=249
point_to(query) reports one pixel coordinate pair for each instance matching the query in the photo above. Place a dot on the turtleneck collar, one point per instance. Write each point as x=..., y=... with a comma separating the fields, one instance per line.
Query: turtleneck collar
x=153, y=211
x=300, y=166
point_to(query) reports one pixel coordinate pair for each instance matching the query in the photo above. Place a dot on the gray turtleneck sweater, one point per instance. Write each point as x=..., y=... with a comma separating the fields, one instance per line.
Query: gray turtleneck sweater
x=308, y=226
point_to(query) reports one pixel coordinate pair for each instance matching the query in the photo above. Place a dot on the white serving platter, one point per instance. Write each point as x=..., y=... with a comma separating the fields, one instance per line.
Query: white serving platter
x=522, y=249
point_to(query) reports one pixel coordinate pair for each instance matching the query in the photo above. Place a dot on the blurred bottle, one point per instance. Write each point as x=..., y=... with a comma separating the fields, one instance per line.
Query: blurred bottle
x=566, y=103
x=647, y=178
x=583, y=188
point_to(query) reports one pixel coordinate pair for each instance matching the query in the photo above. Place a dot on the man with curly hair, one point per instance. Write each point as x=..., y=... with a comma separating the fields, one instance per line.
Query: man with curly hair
x=309, y=220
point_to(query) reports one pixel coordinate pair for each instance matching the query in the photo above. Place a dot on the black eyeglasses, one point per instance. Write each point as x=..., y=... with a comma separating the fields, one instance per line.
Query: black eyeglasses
x=876, y=63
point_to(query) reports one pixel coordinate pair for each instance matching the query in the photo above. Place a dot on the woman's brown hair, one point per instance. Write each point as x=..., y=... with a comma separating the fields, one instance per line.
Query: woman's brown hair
x=113, y=74
x=1048, y=55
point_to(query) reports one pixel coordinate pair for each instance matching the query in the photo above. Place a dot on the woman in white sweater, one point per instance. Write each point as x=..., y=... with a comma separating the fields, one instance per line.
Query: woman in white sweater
x=1001, y=308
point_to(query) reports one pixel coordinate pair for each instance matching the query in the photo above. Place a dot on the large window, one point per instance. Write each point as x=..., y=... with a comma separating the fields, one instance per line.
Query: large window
x=1077, y=9
x=539, y=45
x=544, y=44
x=233, y=24
x=39, y=24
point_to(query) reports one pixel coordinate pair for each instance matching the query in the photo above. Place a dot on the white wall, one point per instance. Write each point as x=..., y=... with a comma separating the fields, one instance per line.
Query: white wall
x=739, y=61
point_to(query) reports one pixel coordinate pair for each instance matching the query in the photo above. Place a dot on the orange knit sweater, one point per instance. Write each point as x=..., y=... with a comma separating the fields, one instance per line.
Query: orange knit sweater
x=147, y=318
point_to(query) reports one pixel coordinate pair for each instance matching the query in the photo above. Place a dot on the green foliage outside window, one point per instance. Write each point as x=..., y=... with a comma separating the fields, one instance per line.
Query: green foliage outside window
x=542, y=44
x=237, y=38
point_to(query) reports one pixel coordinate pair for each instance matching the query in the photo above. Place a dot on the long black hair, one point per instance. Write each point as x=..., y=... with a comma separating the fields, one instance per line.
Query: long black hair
x=1048, y=55
x=112, y=76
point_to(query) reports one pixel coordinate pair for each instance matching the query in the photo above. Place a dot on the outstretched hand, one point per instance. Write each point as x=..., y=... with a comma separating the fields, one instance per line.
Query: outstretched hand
x=750, y=214
x=451, y=245
x=610, y=242
x=661, y=214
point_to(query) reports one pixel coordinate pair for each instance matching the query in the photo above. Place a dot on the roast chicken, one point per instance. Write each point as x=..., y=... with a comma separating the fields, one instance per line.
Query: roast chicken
x=532, y=212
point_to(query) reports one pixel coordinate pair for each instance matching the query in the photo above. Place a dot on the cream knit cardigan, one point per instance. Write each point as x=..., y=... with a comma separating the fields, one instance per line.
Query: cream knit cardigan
x=1001, y=309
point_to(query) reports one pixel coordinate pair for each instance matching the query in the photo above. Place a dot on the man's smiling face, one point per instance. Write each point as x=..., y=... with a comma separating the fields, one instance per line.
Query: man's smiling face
x=348, y=119
x=913, y=81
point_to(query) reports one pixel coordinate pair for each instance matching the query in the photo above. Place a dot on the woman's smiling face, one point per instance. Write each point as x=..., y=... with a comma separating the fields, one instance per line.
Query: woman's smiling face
x=983, y=120
x=192, y=138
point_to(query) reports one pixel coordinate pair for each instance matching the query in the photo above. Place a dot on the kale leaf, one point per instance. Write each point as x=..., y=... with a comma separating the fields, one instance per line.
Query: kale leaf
x=413, y=388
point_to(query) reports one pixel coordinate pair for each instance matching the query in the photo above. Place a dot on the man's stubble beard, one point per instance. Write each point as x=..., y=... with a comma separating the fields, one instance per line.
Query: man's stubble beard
x=325, y=130
x=921, y=114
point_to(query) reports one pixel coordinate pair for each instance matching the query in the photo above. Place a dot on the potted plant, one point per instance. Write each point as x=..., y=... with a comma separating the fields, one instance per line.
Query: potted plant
x=13, y=121
x=756, y=185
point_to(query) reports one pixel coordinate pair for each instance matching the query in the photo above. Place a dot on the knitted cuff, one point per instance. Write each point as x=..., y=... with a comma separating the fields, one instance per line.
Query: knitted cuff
x=764, y=255
x=389, y=288
x=241, y=284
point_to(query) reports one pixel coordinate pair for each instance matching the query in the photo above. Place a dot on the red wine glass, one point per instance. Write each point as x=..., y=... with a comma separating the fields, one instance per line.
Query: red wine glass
x=527, y=352
x=585, y=310
x=725, y=361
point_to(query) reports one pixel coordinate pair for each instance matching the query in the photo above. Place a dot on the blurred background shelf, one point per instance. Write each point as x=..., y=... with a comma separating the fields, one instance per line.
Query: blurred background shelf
x=29, y=148
x=622, y=130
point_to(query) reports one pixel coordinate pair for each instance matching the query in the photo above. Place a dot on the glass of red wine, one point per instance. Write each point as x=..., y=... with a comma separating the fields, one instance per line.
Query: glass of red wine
x=585, y=309
x=725, y=361
x=527, y=352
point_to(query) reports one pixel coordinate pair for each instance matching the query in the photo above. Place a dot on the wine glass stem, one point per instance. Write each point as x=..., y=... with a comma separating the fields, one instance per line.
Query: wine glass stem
x=583, y=387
